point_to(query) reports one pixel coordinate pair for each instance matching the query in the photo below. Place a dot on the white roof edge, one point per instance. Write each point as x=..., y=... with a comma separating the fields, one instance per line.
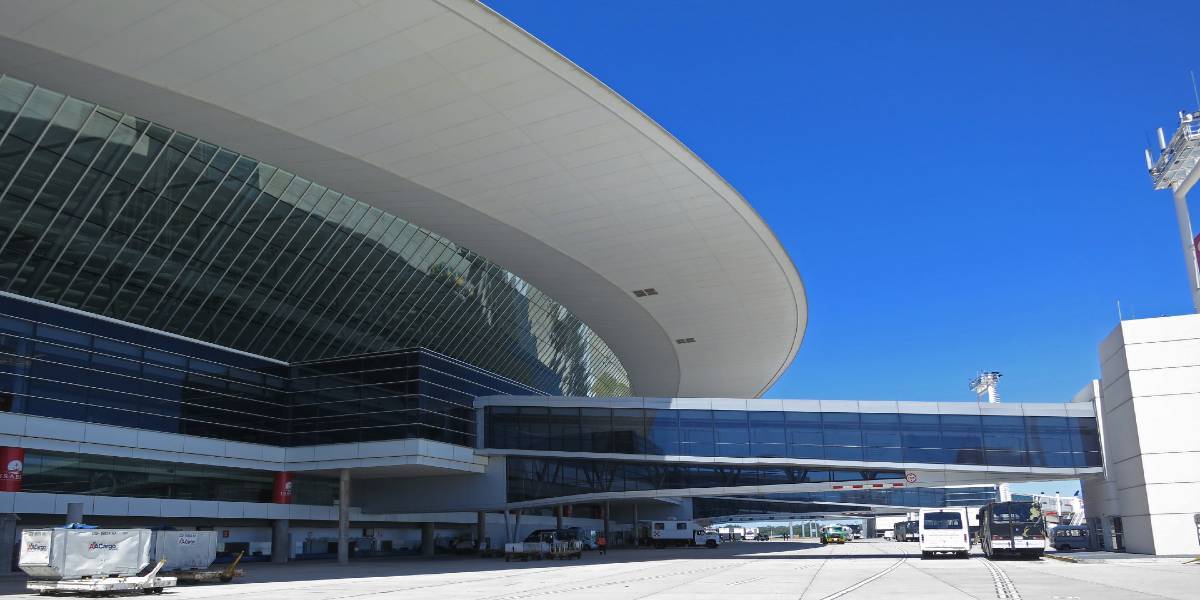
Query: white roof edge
x=523, y=41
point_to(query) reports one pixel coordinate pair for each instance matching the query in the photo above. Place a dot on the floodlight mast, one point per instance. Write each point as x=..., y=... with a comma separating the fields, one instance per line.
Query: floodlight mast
x=985, y=384
x=1178, y=169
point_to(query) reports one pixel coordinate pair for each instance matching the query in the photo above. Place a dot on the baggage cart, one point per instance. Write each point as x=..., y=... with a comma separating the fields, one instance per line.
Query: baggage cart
x=149, y=583
x=208, y=575
x=566, y=549
x=526, y=551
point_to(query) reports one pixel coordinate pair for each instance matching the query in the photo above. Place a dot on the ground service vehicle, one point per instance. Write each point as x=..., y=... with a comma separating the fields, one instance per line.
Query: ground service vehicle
x=761, y=537
x=907, y=531
x=856, y=531
x=1013, y=529
x=661, y=534
x=835, y=534
x=585, y=537
x=1070, y=537
x=944, y=530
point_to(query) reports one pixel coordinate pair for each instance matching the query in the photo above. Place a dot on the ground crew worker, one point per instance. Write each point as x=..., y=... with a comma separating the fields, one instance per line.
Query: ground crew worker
x=602, y=543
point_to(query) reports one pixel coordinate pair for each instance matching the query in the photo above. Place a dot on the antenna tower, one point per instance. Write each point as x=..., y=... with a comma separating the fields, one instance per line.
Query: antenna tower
x=985, y=384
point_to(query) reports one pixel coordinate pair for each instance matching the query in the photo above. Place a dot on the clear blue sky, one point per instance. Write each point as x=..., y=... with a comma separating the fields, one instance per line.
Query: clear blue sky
x=961, y=186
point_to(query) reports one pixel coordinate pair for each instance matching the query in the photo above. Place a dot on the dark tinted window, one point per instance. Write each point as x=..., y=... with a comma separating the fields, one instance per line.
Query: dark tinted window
x=942, y=520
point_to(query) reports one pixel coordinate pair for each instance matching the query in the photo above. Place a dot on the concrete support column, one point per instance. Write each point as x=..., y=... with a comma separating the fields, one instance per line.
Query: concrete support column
x=480, y=529
x=607, y=517
x=74, y=512
x=558, y=517
x=636, y=532
x=280, y=545
x=427, y=539
x=343, y=546
x=8, y=541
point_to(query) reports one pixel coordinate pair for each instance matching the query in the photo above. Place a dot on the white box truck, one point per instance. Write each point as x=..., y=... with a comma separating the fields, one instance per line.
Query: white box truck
x=661, y=534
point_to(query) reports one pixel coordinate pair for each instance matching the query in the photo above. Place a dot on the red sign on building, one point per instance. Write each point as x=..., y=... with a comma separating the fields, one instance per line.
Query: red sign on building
x=12, y=461
x=283, y=488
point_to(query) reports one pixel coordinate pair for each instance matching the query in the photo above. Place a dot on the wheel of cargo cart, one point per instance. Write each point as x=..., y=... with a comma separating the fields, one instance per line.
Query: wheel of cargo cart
x=226, y=578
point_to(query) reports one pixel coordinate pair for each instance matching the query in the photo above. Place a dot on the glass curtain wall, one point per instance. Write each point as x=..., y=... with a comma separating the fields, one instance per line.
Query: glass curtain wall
x=93, y=475
x=1011, y=441
x=539, y=478
x=54, y=363
x=114, y=215
x=836, y=501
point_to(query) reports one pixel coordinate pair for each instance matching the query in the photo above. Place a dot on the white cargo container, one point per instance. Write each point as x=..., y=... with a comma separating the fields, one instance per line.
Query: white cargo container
x=74, y=553
x=185, y=550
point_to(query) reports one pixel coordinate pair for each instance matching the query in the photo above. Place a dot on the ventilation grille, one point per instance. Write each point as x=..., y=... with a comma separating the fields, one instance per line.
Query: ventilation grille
x=685, y=340
x=645, y=292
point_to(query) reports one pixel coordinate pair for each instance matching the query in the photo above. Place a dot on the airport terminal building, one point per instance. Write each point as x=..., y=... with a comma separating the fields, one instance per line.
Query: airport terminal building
x=403, y=266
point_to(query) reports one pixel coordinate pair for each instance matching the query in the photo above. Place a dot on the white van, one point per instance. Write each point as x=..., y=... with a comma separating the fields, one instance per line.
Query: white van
x=944, y=530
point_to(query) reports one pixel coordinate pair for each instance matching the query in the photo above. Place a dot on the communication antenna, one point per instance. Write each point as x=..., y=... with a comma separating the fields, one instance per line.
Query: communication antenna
x=1195, y=94
x=1177, y=168
x=985, y=384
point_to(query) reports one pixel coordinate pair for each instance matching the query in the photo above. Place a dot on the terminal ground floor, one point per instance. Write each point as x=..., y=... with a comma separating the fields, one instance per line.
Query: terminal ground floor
x=789, y=569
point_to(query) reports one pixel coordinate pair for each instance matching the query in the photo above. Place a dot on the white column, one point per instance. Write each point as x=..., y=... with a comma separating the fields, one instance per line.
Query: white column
x=1185, y=235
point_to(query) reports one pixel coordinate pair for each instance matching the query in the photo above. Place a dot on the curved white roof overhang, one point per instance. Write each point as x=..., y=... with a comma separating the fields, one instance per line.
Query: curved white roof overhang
x=446, y=114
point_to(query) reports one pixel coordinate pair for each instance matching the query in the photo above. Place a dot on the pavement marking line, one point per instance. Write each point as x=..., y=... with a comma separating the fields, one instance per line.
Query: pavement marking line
x=1005, y=589
x=615, y=579
x=510, y=574
x=940, y=580
x=842, y=592
x=847, y=590
x=816, y=573
x=1139, y=592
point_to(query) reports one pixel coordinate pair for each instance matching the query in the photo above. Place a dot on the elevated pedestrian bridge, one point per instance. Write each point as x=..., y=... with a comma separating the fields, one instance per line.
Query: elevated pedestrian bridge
x=576, y=449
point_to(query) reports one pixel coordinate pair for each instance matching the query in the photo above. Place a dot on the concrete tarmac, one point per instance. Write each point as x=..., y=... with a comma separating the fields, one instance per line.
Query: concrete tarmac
x=751, y=570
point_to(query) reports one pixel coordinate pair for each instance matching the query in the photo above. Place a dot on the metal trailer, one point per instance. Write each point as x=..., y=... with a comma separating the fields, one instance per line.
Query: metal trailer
x=566, y=549
x=149, y=583
x=526, y=550
x=208, y=575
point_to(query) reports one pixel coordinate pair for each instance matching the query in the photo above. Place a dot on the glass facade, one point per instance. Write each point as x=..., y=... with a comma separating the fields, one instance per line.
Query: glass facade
x=56, y=363
x=540, y=478
x=60, y=473
x=1010, y=441
x=117, y=216
x=837, y=501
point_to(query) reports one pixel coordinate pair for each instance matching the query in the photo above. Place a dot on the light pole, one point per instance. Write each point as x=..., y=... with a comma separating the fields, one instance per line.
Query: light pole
x=1176, y=170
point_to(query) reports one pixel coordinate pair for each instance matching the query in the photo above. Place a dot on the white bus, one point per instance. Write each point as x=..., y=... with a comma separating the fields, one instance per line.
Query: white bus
x=944, y=530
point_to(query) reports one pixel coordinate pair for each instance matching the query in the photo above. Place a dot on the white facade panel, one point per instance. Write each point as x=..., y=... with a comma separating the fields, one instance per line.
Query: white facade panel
x=1150, y=394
